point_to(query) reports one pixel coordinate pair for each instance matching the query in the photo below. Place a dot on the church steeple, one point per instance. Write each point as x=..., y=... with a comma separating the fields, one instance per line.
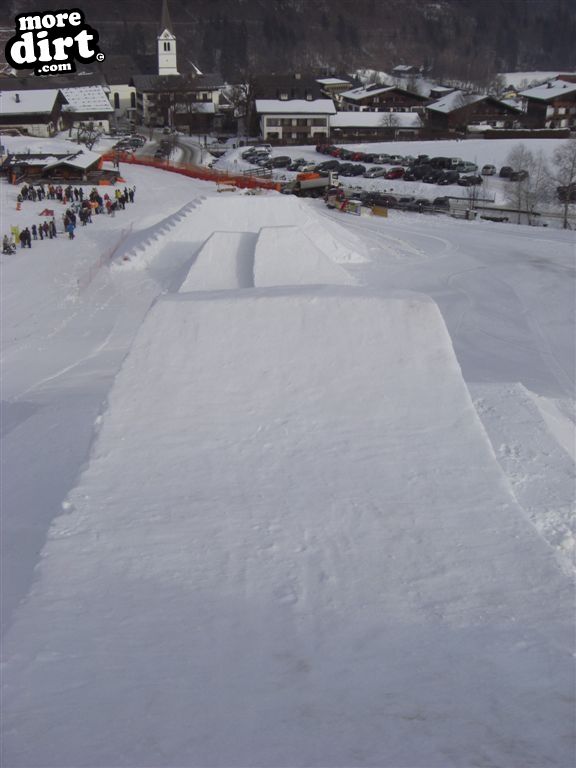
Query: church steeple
x=166, y=22
x=167, y=63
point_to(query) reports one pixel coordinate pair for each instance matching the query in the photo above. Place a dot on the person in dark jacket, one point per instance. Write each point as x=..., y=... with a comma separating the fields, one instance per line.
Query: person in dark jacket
x=34, y=231
x=25, y=239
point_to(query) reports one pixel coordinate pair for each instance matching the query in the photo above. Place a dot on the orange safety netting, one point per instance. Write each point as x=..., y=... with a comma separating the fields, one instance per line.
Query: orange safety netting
x=193, y=171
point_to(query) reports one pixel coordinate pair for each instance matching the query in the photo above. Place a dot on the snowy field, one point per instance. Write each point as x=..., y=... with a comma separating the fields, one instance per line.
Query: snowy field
x=286, y=487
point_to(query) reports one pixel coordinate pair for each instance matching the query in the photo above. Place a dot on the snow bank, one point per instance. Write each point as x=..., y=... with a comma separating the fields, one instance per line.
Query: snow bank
x=292, y=546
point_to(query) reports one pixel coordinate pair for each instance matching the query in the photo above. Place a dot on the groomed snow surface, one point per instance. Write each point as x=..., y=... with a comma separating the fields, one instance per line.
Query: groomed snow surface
x=284, y=487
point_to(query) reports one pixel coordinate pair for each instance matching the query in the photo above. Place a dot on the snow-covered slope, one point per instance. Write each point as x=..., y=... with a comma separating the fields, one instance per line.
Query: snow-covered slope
x=312, y=525
x=292, y=546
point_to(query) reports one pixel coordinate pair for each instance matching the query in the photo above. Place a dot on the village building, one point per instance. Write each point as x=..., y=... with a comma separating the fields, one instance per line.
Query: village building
x=78, y=167
x=187, y=102
x=32, y=112
x=458, y=110
x=87, y=105
x=333, y=87
x=372, y=126
x=296, y=121
x=552, y=105
x=378, y=98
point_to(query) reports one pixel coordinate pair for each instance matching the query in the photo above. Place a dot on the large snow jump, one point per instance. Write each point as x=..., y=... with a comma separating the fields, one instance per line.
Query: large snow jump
x=292, y=546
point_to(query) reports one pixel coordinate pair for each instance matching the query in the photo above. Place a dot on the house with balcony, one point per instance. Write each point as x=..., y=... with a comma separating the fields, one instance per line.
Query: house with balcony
x=458, y=110
x=295, y=121
x=551, y=105
x=382, y=98
x=32, y=112
x=180, y=101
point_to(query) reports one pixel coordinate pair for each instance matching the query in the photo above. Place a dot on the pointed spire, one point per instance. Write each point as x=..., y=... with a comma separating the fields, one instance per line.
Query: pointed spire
x=166, y=22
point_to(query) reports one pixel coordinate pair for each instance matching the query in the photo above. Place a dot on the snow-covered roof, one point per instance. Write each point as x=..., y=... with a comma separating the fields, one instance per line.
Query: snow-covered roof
x=91, y=98
x=455, y=100
x=332, y=81
x=83, y=159
x=295, y=107
x=27, y=102
x=365, y=91
x=527, y=79
x=375, y=120
x=550, y=90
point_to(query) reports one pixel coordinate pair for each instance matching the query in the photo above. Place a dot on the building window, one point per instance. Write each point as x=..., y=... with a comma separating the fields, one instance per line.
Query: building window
x=166, y=46
x=132, y=99
x=116, y=101
x=284, y=96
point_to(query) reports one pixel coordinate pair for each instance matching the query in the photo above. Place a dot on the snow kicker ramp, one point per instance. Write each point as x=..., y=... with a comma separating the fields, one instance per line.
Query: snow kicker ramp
x=292, y=546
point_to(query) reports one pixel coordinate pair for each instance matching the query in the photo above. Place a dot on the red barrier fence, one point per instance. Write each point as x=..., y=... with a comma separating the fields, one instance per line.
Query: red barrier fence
x=193, y=171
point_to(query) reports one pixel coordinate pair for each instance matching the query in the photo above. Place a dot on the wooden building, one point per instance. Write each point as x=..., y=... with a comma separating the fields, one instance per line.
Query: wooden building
x=458, y=110
x=376, y=98
x=552, y=105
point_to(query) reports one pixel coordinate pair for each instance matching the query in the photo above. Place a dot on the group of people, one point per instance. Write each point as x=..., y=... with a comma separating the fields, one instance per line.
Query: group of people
x=80, y=207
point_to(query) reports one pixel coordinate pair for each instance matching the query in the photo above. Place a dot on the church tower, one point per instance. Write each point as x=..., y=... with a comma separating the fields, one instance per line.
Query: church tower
x=167, y=64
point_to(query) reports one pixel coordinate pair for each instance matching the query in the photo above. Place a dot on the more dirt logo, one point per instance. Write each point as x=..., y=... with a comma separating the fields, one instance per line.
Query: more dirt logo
x=52, y=42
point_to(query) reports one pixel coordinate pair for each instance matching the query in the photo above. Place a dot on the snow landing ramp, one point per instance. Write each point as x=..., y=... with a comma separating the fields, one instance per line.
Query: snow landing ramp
x=292, y=546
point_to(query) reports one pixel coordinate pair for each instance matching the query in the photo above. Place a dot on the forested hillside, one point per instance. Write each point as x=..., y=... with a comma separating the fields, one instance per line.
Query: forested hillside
x=451, y=38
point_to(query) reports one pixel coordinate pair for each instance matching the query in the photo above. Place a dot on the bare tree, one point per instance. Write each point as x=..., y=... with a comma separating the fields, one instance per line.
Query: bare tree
x=532, y=188
x=88, y=134
x=563, y=175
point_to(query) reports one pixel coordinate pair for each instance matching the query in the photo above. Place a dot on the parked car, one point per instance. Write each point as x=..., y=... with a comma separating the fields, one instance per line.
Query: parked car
x=433, y=176
x=328, y=165
x=448, y=177
x=345, y=169
x=506, y=171
x=395, y=173
x=384, y=159
x=420, y=204
x=470, y=181
x=375, y=172
x=442, y=203
x=440, y=163
x=281, y=161
x=410, y=175
x=402, y=202
x=466, y=167
x=488, y=170
x=369, y=158
x=518, y=175
x=378, y=198
x=358, y=169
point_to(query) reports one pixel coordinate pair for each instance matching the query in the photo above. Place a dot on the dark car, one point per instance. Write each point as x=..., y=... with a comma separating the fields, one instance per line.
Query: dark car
x=518, y=176
x=441, y=203
x=358, y=169
x=346, y=169
x=282, y=161
x=448, y=177
x=328, y=165
x=410, y=175
x=420, y=204
x=441, y=163
x=506, y=171
x=346, y=154
x=432, y=176
x=470, y=181
x=369, y=158
x=395, y=173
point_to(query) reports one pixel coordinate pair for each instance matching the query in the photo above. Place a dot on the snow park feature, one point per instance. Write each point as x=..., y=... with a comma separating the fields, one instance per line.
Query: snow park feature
x=283, y=487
